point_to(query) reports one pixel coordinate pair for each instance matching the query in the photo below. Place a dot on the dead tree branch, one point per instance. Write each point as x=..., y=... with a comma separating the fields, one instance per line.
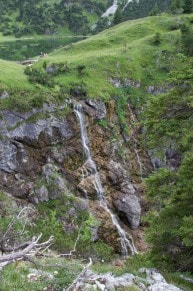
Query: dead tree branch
x=26, y=251
x=12, y=239
x=75, y=283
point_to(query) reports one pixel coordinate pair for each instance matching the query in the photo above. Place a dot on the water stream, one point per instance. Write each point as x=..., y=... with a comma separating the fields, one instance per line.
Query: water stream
x=89, y=169
x=111, y=10
x=126, y=4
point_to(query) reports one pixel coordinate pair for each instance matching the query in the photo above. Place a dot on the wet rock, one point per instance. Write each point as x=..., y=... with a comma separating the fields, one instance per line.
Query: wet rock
x=116, y=173
x=129, y=206
x=125, y=200
x=95, y=108
x=87, y=187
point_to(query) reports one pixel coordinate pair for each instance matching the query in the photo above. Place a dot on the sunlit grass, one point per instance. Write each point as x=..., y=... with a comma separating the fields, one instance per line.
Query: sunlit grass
x=12, y=76
x=123, y=51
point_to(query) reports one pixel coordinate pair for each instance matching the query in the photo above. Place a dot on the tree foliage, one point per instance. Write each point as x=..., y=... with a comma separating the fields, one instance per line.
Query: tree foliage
x=118, y=16
x=27, y=17
x=187, y=39
x=188, y=6
x=170, y=123
x=142, y=8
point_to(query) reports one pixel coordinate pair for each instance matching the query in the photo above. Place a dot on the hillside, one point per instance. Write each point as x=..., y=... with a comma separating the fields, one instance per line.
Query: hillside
x=96, y=138
x=115, y=53
x=49, y=17
x=21, y=18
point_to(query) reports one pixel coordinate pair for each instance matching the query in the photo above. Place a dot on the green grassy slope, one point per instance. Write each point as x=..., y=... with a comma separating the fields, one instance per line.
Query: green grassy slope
x=12, y=76
x=125, y=51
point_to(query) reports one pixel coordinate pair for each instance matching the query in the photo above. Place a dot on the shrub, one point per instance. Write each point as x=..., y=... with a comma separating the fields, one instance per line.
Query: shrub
x=157, y=39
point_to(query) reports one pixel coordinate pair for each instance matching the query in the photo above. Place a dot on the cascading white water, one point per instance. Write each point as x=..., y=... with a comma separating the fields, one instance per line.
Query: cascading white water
x=89, y=169
x=111, y=10
x=128, y=1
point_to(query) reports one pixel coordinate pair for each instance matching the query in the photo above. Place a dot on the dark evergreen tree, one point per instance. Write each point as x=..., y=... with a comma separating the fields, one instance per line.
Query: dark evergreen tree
x=176, y=6
x=137, y=9
x=154, y=11
x=118, y=16
x=101, y=24
x=188, y=6
x=187, y=39
x=169, y=119
x=38, y=16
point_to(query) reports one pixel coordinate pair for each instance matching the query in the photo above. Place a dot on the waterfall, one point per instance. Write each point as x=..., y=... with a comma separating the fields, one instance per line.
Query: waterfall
x=128, y=1
x=89, y=169
x=111, y=10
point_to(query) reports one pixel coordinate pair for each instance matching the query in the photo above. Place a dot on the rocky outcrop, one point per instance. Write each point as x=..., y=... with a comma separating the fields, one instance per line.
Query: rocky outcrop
x=41, y=158
x=4, y=95
x=155, y=90
x=126, y=82
x=153, y=281
x=25, y=145
x=171, y=159
x=126, y=198
x=94, y=108
x=129, y=207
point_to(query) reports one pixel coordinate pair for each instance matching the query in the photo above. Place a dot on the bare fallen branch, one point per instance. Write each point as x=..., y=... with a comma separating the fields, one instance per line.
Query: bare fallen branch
x=5, y=249
x=12, y=239
x=76, y=282
x=26, y=252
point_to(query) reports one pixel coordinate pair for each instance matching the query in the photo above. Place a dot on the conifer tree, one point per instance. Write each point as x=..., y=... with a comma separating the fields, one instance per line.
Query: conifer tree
x=188, y=6
x=118, y=16
x=176, y=6
x=154, y=10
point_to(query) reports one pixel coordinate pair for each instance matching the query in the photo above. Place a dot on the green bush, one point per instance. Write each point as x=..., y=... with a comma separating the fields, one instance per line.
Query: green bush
x=157, y=39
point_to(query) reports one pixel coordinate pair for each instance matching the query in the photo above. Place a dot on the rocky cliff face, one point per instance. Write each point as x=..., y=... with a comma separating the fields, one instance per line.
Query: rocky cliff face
x=41, y=158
